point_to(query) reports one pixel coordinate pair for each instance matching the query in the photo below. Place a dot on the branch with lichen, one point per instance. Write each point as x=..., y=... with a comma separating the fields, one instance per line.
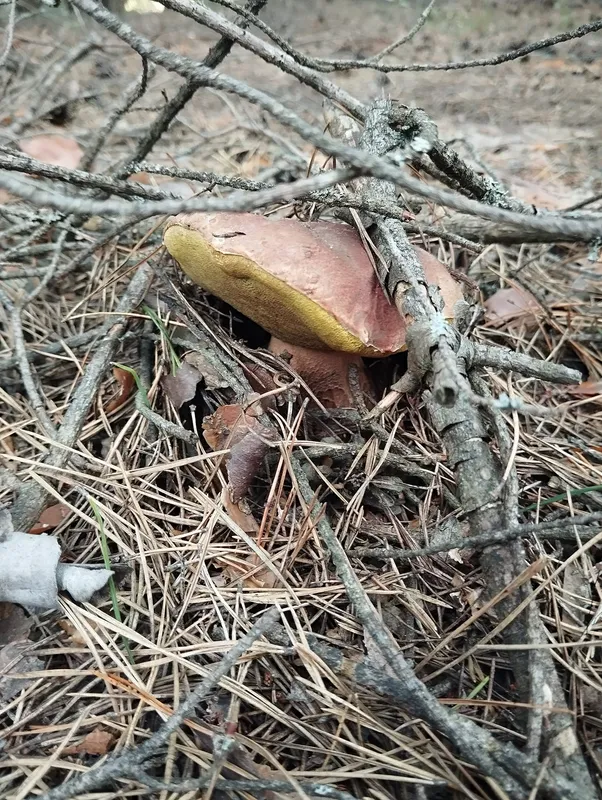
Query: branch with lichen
x=436, y=360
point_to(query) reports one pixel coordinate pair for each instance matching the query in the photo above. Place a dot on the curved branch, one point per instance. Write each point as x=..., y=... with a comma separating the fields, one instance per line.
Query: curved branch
x=332, y=64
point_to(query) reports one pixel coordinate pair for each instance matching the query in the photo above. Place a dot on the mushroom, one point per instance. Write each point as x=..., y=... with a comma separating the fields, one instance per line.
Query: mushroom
x=310, y=284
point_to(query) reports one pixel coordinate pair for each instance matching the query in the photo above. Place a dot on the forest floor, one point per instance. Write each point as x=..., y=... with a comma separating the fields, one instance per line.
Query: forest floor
x=193, y=568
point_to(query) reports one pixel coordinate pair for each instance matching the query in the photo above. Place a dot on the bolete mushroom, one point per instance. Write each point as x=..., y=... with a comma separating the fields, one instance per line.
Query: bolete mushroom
x=310, y=284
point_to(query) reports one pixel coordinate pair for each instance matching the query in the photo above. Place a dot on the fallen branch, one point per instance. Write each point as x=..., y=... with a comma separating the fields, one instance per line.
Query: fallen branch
x=548, y=529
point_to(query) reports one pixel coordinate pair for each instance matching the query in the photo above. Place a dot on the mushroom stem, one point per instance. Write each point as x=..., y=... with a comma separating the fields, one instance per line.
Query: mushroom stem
x=325, y=372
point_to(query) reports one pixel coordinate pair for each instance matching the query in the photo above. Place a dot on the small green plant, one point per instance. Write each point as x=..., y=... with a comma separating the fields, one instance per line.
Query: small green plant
x=173, y=356
x=104, y=549
x=475, y=692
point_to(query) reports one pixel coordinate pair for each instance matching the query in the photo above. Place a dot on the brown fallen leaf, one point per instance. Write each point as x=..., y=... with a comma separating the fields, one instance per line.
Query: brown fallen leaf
x=50, y=518
x=261, y=381
x=509, y=304
x=227, y=426
x=61, y=151
x=262, y=578
x=251, y=572
x=73, y=634
x=182, y=387
x=245, y=460
x=96, y=743
x=586, y=389
x=15, y=659
x=243, y=518
x=249, y=441
x=14, y=625
x=126, y=383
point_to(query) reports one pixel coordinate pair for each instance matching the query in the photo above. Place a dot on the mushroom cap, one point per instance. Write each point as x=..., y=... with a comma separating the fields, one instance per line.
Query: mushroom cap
x=308, y=283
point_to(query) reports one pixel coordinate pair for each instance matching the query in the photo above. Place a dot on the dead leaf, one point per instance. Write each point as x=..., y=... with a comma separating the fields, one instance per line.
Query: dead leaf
x=511, y=303
x=226, y=426
x=261, y=381
x=126, y=383
x=251, y=572
x=50, y=518
x=14, y=625
x=181, y=388
x=243, y=518
x=74, y=635
x=262, y=578
x=61, y=151
x=15, y=659
x=211, y=375
x=96, y=743
x=240, y=430
x=245, y=461
x=586, y=389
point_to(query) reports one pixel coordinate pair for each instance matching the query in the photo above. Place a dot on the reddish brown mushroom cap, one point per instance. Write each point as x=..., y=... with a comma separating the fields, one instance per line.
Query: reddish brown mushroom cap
x=308, y=283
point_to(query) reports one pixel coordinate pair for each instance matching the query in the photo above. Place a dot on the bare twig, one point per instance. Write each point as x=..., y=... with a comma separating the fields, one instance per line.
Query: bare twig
x=9, y=33
x=161, y=124
x=16, y=162
x=379, y=167
x=132, y=94
x=47, y=87
x=550, y=529
x=329, y=64
x=501, y=763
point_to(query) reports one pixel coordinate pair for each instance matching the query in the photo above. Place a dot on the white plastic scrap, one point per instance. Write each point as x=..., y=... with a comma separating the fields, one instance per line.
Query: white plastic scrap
x=31, y=575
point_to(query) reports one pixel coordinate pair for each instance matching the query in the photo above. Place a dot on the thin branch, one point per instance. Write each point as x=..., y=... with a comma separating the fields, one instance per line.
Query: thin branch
x=46, y=88
x=9, y=33
x=256, y=786
x=272, y=55
x=237, y=201
x=552, y=529
x=213, y=178
x=501, y=763
x=161, y=124
x=132, y=94
x=17, y=162
x=30, y=501
x=408, y=36
x=329, y=64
